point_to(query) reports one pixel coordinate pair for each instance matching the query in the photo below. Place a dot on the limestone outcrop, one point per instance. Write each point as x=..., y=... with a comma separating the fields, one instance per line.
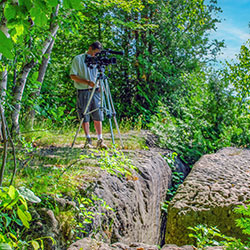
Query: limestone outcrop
x=91, y=244
x=216, y=185
x=137, y=202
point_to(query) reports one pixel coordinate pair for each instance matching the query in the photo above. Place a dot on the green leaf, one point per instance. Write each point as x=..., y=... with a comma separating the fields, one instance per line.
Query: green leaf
x=28, y=195
x=13, y=236
x=19, y=29
x=10, y=12
x=53, y=3
x=7, y=220
x=72, y=4
x=26, y=3
x=28, y=215
x=24, y=203
x=6, y=45
x=66, y=4
x=5, y=246
x=35, y=244
x=12, y=192
x=38, y=16
x=23, y=218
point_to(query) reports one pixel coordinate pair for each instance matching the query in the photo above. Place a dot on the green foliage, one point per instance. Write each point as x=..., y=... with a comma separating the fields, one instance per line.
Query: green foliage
x=88, y=208
x=15, y=218
x=244, y=221
x=5, y=45
x=201, y=118
x=164, y=45
x=113, y=161
x=155, y=53
x=177, y=179
x=211, y=236
x=237, y=74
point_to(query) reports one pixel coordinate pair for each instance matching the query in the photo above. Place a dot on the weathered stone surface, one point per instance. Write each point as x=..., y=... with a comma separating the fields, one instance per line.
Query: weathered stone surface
x=216, y=185
x=44, y=225
x=137, y=202
x=89, y=244
x=188, y=247
x=175, y=247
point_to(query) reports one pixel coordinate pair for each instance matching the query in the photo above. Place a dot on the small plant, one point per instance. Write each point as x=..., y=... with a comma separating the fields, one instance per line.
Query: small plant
x=15, y=218
x=27, y=144
x=88, y=209
x=177, y=178
x=244, y=221
x=113, y=161
x=211, y=236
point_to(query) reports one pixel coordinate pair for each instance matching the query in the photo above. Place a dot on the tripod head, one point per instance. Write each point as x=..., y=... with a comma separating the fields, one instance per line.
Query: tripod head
x=101, y=58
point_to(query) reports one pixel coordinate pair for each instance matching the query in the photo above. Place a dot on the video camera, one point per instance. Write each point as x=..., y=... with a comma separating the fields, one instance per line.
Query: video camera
x=101, y=58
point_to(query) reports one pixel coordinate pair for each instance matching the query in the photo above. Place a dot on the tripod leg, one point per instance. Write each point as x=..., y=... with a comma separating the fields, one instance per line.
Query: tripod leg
x=109, y=112
x=73, y=143
x=114, y=113
x=84, y=113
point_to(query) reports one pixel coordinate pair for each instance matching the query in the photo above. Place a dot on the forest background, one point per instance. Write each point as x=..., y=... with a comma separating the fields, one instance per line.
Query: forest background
x=163, y=81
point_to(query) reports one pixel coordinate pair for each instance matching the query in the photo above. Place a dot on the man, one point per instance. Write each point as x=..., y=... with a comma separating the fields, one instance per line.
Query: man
x=84, y=80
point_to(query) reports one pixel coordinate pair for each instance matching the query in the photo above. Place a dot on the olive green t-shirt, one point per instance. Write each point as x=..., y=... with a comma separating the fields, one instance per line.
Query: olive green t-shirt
x=80, y=69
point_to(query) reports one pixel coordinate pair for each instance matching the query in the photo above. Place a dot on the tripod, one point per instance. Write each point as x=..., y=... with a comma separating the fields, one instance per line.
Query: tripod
x=107, y=104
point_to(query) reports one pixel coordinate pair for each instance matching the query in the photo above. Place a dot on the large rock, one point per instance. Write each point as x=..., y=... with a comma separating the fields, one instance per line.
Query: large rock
x=137, y=201
x=216, y=185
x=92, y=244
x=89, y=244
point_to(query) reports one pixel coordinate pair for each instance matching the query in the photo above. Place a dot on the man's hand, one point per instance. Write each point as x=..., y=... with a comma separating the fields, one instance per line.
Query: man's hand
x=91, y=84
x=82, y=81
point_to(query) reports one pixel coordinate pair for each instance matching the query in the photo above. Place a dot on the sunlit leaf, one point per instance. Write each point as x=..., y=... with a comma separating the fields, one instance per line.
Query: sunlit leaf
x=6, y=45
x=29, y=195
x=35, y=244
x=12, y=192
x=5, y=246
x=10, y=11
x=23, y=218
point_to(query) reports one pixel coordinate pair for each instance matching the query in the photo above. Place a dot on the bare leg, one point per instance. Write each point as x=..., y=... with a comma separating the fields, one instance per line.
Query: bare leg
x=85, y=127
x=98, y=127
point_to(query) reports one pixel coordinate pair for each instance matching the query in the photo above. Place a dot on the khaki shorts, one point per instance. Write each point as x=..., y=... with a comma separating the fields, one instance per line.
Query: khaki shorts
x=82, y=101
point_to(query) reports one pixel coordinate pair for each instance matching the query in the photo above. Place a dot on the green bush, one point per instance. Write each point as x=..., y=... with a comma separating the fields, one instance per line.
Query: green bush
x=15, y=219
x=204, y=116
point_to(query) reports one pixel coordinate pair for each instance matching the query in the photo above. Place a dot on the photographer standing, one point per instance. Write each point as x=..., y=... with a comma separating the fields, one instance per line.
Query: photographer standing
x=84, y=80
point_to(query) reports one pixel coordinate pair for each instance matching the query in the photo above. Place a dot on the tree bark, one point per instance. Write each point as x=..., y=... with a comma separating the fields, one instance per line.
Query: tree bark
x=43, y=68
x=21, y=82
x=18, y=94
x=41, y=75
x=3, y=74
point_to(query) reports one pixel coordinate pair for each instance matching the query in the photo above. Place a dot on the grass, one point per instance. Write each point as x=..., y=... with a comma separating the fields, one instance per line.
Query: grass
x=48, y=165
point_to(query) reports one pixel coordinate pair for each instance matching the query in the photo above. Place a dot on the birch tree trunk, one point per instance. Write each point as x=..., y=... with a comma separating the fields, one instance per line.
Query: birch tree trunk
x=21, y=82
x=43, y=69
x=3, y=75
x=41, y=75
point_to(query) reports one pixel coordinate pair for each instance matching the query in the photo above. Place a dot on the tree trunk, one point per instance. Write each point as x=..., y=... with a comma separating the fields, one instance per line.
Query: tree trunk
x=41, y=75
x=18, y=94
x=20, y=85
x=43, y=68
x=3, y=76
x=3, y=88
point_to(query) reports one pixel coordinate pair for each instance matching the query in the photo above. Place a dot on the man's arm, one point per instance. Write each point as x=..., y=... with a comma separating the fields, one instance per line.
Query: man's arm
x=82, y=81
